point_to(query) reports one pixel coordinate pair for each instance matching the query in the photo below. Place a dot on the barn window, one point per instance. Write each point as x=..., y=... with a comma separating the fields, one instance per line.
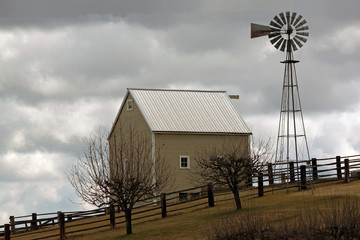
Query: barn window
x=184, y=162
x=130, y=105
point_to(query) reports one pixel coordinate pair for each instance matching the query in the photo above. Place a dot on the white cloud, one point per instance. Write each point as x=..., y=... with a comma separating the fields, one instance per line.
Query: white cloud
x=18, y=139
x=34, y=182
x=328, y=134
x=33, y=166
x=61, y=121
x=344, y=41
x=267, y=50
x=25, y=198
x=334, y=133
x=11, y=201
x=9, y=51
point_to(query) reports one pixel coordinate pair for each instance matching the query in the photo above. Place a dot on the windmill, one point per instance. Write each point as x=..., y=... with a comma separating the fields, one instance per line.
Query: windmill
x=288, y=32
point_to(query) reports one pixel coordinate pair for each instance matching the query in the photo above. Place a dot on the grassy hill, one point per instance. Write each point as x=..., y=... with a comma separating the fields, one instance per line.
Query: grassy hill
x=200, y=223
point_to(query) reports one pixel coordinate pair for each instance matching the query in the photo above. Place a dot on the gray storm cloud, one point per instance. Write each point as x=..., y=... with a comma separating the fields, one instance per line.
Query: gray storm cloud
x=65, y=66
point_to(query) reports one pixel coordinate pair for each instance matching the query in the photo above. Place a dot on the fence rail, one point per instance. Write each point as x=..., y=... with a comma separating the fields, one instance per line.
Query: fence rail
x=273, y=177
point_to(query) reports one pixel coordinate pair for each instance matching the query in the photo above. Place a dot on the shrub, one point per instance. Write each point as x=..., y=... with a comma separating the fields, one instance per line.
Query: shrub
x=336, y=219
x=249, y=225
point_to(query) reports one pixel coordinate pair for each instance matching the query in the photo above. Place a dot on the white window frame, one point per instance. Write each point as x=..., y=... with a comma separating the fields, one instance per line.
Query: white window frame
x=129, y=105
x=188, y=161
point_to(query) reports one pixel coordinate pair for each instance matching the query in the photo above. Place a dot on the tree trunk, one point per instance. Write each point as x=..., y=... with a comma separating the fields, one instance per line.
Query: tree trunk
x=237, y=197
x=128, y=221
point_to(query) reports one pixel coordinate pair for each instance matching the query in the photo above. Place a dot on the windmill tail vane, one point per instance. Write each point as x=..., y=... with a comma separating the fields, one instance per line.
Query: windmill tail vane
x=258, y=30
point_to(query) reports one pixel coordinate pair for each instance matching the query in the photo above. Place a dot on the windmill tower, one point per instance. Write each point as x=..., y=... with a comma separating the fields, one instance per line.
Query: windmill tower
x=288, y=32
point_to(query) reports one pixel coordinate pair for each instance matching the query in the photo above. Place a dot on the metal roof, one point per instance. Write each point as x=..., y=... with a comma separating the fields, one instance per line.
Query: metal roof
x=188, y=111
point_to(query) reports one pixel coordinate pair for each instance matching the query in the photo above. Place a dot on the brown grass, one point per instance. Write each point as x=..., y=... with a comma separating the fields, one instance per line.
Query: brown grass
x=332, y=212
x=197, y=224
x=332, y=218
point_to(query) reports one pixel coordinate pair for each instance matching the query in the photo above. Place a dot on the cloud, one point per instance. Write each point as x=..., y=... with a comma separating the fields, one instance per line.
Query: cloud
x=52, y=14
x=59, y=62
x=24, y=198
x=334, y=134
x=328, y=134
x=343, y=41
x=53, y=125
x=65, y=66
x=28, y=180
x=33, y=167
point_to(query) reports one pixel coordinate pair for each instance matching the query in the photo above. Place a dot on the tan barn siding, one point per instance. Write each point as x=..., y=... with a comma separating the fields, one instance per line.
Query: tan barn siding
x=133, y=119
x=172, y=146
x=126, y=120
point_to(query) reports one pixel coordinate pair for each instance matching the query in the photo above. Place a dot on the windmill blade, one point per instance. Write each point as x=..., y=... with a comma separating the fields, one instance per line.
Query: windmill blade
x=293, y=17
x=297, y=19
x=274, y=34
x=277, y=45
x=277, y=19
x=302, y=29
x=288, y=17
x=300, y=24
x=306, y=34
x=258, y=30
x=274, y=24
x=300, y=38
x=274, y=40
x=282, y=18
x=275, y=30
x=283, y=46
x=294, y=48
x=297, y=42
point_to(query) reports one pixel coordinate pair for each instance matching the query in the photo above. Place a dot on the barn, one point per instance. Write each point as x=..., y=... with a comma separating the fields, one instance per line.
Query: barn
x=180, y=123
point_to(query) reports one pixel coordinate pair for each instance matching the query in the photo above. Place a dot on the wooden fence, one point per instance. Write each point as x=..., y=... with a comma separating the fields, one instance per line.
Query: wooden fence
x=306, y=173
x=60, y=224
x=273, y=177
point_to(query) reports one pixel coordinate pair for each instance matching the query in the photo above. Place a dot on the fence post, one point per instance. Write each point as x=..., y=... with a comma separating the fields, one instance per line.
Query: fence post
x=112, y=216
x=163, y=205
x=260, y=185
x=61, y=224
x=292, y=172
x=33, y=221
x=283, y=178
x=314, y=168
x=211, y=201
x=347, y=170
x=338, y=167
x=270, y=172
x=7, y=232
x=12, y=224
x=249, y=179
x=303, y=176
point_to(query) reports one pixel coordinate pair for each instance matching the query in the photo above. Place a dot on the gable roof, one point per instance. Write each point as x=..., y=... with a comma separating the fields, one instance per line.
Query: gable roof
x=188, y=111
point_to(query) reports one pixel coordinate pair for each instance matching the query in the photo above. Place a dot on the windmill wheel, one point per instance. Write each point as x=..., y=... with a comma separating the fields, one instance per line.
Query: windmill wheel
x=288, y=31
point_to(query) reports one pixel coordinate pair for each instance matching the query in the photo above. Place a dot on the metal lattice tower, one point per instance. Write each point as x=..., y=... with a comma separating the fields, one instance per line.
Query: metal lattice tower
x=287, y=32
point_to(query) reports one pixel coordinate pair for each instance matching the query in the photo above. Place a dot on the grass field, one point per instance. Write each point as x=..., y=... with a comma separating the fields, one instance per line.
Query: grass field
x=196, y=224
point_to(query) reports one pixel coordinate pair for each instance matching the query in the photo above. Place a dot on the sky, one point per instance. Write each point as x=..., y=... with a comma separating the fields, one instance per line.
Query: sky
x=65, y=67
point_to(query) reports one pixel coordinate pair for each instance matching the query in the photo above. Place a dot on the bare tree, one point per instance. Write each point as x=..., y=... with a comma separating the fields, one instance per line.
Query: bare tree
x=231, y=165
x=122, y=174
